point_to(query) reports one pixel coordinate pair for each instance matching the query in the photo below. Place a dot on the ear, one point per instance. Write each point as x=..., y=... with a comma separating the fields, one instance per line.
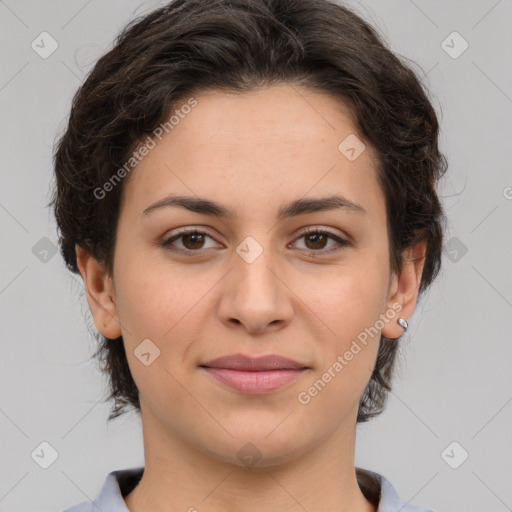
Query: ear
x=100, y=293
x=404, y=288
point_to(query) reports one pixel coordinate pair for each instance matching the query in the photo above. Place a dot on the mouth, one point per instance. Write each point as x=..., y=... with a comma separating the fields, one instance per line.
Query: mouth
x=254, y=375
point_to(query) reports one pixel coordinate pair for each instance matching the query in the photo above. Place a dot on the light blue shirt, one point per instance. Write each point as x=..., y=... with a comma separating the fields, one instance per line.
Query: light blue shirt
x=121, y=482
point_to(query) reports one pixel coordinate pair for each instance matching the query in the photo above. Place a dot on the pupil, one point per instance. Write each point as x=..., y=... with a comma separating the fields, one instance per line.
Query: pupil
x=194, y=237
x=317, y=236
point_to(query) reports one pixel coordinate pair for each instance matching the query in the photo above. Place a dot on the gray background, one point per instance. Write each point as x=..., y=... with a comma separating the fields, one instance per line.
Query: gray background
x=454, y=379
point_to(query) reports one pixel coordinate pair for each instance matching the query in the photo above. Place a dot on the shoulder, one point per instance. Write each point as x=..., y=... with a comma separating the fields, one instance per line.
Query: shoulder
x=379, y=490
x=110, y=498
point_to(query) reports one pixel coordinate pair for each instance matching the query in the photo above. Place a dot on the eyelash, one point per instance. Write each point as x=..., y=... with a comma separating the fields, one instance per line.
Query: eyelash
x=311, y=231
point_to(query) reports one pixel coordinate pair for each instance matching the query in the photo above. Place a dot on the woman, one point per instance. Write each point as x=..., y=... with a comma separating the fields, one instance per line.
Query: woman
x=248, y=190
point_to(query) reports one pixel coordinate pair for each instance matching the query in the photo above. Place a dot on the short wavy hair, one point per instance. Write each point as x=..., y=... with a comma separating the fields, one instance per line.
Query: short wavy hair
x=190, y=46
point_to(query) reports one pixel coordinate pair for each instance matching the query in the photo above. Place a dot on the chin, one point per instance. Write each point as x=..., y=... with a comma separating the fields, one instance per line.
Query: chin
x=257, y=447
x=255, y=453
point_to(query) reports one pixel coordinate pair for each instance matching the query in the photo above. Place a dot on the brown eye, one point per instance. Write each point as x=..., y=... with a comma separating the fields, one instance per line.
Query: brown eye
x=192, y=241
x=316, y=240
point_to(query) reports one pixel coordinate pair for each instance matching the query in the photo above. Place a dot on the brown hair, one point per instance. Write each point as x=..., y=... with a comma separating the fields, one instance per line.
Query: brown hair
x=190, y=46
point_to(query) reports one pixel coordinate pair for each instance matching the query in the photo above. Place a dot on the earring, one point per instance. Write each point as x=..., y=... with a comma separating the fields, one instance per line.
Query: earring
x=403, y=323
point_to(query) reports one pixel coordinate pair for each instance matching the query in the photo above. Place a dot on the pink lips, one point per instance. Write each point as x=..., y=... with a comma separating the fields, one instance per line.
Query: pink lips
x=254, y=376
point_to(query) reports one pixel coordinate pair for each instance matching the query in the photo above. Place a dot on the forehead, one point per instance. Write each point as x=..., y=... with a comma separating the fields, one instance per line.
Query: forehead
x=257, y=148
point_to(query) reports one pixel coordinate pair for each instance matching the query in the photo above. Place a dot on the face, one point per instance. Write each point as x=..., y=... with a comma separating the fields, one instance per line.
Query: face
x=265, y=279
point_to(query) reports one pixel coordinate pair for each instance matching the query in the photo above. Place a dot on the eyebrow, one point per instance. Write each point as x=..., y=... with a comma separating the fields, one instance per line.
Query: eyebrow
x=293, y=209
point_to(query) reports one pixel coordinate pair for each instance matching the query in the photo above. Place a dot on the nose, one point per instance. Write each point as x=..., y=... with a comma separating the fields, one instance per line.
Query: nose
x=255, y=295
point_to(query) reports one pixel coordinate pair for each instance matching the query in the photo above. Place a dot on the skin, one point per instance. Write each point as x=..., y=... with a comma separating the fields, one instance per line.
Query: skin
x=251, y=152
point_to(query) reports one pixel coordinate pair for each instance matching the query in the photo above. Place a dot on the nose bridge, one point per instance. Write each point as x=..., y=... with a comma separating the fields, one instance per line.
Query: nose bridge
x=255, y=267
x=255, y=294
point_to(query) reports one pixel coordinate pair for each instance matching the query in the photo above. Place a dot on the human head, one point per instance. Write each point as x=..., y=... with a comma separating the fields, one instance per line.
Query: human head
x=190, y=47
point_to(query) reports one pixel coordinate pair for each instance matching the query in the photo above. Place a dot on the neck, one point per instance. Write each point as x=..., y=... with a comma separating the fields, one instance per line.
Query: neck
x=178, y=477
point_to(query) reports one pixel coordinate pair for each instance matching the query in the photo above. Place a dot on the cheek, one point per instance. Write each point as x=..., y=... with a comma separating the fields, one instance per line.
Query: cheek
x=159, y=303
x=149, y=297
x=348, y=350
x=351, y=299
x=154, y=306
x=350, y=303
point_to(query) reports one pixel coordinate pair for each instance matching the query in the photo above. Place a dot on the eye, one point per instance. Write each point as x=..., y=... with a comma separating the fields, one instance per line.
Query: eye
x=192, y=241
x=316, y=240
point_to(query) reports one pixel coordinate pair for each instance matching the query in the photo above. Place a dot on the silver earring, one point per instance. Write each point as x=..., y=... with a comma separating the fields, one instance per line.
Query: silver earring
x=403, y=323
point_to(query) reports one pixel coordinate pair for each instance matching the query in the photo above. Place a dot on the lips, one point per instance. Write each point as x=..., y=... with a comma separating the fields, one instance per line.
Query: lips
x=254, y=376
x=254, y=364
